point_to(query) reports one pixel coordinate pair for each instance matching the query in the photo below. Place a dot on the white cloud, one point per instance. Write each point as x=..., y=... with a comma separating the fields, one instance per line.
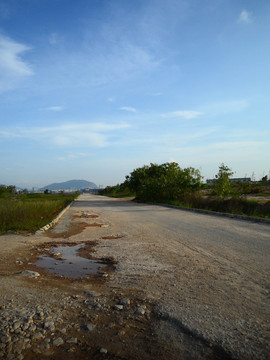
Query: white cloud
x=182, y=114
x=89, y=135
x=245, y=17
x=54, y=108
x=71, y=156
x=226, y=107
x=12, y=68
x=127, y=108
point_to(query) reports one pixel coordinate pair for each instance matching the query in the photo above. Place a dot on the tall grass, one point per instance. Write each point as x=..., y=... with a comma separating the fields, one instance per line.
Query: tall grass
x=233, y=205
x=28, y=213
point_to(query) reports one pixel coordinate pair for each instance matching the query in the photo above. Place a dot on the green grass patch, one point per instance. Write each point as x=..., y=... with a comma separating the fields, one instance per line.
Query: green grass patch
x=233, y=205
x=29, y=212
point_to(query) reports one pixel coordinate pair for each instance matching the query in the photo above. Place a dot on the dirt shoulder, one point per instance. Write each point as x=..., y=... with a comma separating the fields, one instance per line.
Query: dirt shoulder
x=158, y=300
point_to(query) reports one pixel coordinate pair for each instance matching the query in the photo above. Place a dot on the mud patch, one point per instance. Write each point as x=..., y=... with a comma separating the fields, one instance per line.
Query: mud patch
x=98, y=225
x=73, y=261
x=86, y=215
x=112, y=237
x=73, y=229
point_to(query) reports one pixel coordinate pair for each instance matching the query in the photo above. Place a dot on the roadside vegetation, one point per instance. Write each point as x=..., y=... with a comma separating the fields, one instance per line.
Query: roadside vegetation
x=28, y=212
x=169, y=184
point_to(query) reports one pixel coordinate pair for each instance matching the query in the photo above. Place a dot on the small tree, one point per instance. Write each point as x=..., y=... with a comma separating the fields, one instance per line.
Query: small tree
x=222, y=183
x=163, y=182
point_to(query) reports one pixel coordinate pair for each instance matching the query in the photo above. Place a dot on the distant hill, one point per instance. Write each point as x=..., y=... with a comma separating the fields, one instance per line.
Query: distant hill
x=70, y=185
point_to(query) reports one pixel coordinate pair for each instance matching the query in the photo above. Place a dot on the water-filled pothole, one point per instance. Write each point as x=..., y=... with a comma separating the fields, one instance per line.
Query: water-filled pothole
x=72, y=261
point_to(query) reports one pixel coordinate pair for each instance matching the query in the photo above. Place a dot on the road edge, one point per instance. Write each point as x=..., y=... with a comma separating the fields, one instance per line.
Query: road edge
x=213, y=213
x=55, y=220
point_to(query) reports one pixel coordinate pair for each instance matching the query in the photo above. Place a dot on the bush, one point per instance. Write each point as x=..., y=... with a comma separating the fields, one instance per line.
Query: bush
x=163, y=182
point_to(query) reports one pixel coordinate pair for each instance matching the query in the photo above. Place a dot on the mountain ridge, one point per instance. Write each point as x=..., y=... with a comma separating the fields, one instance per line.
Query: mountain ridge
x=70, y=185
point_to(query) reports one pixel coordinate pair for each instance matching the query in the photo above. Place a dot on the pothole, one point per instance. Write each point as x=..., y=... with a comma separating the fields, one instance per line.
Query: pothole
x=112, y=237
x=73, y=261
x=73, y=229
x=86, y=215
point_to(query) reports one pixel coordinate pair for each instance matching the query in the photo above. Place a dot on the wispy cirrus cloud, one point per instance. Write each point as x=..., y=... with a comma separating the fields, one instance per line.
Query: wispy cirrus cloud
x=226, y=107
x=245, y=17
x=88, y=135
x=54, y=108
x=128, y=108
x=182, y=114
x=13, y=68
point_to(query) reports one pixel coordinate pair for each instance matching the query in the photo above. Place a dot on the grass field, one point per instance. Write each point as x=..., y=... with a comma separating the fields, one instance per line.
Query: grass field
x=29, y=212
x=241, y=205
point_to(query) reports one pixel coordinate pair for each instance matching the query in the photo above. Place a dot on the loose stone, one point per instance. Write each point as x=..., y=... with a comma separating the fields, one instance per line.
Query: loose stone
x=16, y=325
x=49, y=325
x=30, y=273
x=37, y=336
x=103, y=351
x=32, y=328
x=125, y=301
x=57, y=342
x=5, y=339
x=72, y=341
x=141, y=310
x=118, y=307
x=90, y=326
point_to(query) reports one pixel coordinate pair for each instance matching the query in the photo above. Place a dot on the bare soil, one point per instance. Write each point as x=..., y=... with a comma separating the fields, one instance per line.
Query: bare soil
x=150, y=301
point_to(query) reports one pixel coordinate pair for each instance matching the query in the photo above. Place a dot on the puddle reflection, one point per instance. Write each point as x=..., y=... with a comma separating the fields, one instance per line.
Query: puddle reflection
x=65, y=260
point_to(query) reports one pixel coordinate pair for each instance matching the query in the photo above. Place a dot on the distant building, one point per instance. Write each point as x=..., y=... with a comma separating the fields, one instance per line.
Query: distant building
x=233, y=180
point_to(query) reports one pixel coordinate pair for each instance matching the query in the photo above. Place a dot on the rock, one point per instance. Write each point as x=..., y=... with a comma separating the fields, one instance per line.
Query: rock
x=141, y=310
x=90, y=326
x=59, y=341
x=5, y=339
x=103, y=351
x=30, y=273
x=49, y=325
x=72, y=341
x=57, y=255
x=16, y=325
x=124, y=301
x=97, y=307
x=37, y=336
x=118, y=307
x=63, y=331
x=32, y=328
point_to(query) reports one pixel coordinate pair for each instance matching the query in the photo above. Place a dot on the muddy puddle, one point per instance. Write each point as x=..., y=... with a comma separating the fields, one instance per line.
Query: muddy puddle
x=71, y=261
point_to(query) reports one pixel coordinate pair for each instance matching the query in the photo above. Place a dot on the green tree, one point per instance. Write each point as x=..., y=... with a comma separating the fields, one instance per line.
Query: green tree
x=163, y=182
x=222, y=183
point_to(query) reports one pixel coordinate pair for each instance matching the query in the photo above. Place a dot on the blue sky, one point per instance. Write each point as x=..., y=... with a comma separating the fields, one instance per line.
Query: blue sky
x=91, y=89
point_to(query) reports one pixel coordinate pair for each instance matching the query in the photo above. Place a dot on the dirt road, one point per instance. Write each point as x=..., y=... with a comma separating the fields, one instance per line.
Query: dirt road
x=174, y=285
